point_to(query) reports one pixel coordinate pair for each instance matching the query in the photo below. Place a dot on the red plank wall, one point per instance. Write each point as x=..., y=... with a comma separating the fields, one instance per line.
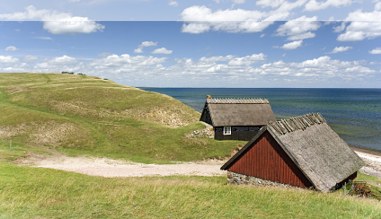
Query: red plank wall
x=267, y=160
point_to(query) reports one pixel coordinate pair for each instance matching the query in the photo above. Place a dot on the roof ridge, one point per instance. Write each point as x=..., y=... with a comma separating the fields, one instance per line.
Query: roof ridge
x=237, y=100
x=292, y=124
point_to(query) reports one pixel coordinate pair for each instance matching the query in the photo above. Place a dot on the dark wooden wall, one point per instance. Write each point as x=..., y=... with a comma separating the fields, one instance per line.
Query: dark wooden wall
x=205, y=116
x=243, y=133
x=267, y=160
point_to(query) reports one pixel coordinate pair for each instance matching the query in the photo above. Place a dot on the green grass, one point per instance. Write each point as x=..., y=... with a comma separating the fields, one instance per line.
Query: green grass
x=40, y=193
x=83, y=115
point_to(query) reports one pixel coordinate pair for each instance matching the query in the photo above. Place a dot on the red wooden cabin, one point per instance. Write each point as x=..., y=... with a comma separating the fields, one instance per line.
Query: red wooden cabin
x=301, y=151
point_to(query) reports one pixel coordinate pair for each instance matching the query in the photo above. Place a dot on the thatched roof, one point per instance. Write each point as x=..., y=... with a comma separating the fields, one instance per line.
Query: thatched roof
x=237, y=112
x=323, y=157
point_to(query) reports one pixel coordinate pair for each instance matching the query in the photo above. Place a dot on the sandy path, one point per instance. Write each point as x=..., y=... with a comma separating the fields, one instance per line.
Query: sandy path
x=116, y=168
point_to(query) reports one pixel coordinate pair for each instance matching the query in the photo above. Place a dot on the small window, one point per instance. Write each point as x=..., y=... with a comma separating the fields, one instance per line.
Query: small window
x=227, y=130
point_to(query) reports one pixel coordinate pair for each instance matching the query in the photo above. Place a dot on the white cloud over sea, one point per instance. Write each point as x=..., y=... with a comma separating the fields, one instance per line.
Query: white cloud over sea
x=255, y=68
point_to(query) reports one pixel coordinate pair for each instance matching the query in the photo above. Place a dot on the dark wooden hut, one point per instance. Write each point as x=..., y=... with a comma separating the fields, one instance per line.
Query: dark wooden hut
x=301, y=151
x=236, y=119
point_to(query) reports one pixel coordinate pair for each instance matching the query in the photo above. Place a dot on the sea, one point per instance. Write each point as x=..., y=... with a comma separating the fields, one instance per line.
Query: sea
x=355, y=114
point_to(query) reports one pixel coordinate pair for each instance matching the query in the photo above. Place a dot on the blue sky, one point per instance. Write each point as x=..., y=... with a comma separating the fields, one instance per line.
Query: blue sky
x=231, y=43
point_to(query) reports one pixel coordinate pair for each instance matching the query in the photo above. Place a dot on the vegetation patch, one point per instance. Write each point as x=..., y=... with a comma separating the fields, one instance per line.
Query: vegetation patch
x=40, y=193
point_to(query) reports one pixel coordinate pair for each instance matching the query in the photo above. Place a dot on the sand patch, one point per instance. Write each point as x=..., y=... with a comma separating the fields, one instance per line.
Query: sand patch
x=115, y=168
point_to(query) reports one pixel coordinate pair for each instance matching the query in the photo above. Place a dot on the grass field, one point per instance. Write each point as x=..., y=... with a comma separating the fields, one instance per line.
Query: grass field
x=40, y=193
x=81, y=115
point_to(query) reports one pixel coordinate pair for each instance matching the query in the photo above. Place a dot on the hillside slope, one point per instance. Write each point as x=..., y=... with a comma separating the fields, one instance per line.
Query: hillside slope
x=88, y=115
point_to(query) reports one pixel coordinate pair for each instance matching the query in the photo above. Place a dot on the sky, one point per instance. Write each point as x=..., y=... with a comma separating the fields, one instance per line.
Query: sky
x=212, y=43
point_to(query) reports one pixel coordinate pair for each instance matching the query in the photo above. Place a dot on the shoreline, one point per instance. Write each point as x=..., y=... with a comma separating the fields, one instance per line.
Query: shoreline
x=365, y=150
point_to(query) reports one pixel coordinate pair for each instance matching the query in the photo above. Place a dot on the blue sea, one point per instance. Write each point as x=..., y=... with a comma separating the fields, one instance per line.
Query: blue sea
x=354, y=113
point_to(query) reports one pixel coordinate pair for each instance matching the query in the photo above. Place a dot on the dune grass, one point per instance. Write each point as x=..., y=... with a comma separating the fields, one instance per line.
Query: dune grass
x=41, y=193
x=83, y=115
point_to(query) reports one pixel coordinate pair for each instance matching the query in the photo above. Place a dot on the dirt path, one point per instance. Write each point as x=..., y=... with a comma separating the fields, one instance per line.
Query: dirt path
x=116, y=168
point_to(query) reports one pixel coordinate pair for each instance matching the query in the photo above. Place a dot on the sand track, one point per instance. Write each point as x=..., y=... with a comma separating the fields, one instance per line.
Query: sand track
x=115, y=168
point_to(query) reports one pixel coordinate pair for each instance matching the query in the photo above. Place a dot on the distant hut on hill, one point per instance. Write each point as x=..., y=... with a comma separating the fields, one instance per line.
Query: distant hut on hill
x=236, y=119
x=301, y=151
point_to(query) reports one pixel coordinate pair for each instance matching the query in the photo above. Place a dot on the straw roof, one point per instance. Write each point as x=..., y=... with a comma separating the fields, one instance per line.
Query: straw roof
x=238, y=112
x=319, y=152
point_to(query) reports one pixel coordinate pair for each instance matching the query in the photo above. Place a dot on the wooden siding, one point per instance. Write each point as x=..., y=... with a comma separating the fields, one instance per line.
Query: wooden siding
x=243, y=133
x=267, y=160
x=205, y=116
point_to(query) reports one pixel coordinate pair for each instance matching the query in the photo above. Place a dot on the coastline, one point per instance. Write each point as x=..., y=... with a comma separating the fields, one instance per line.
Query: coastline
x=365, y=150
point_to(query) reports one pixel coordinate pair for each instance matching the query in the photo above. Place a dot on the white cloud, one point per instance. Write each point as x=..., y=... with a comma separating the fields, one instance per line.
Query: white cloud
x=55, y=22
x=299, y=28
x=148, y=43
x=10, y=48
x=44, y=38
x=123, y=59
x=138, y=50
x=173, y=3
x=377, y=6
x=226, y=67
x=321, y=68
x=376, y=51
x=199, y=19
x=229, y=69
x=313, y=5
x=292, y=45
x=63, y=59
x=238, y=1
x=72, y=25
x=195, y=28
x=282, y=5
x=162, y=50
x=341, y=49
x=143, y=45
x=362, y=25
x=7, y=59
x=270, y=3
x=58, y=64
x=205, y=71
x=30, y=58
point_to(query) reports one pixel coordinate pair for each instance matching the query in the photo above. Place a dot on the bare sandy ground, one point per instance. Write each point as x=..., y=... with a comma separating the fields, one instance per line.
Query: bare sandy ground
x=115, y=168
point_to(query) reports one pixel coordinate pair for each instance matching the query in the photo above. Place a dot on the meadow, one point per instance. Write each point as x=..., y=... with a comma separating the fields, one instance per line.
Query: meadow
x=49, y=114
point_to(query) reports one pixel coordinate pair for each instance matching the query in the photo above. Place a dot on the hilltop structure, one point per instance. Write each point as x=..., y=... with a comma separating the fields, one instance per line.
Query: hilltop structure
x=301, y=151
x=236, y=119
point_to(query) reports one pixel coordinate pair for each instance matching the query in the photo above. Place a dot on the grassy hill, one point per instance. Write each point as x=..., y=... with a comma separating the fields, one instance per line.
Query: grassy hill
x=78, y=114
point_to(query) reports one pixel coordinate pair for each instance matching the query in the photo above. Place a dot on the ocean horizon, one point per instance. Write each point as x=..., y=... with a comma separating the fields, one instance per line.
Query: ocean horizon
x=354, y=113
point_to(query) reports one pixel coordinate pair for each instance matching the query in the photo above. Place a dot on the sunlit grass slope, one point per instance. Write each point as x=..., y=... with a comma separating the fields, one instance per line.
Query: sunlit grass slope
x=88, y=115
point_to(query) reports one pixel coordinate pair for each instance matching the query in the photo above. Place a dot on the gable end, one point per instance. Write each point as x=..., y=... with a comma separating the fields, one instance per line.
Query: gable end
x=264, y=158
